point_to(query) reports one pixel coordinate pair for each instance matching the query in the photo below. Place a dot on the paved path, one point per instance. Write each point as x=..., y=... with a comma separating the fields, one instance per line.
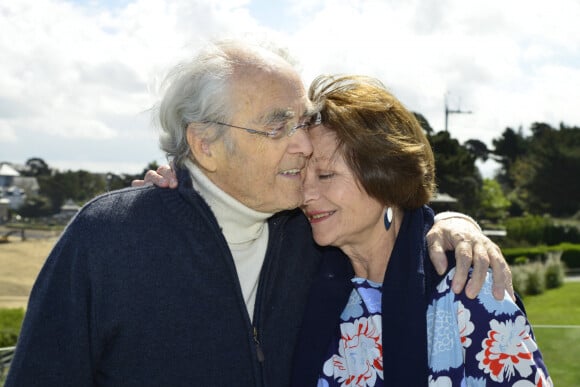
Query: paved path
x=13, y=301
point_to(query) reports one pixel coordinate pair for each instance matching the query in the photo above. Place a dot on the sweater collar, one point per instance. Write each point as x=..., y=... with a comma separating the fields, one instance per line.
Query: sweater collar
x=239, y=224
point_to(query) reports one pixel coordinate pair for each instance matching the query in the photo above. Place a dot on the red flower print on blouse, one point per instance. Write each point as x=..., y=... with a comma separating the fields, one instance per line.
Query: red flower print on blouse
x=507, y=349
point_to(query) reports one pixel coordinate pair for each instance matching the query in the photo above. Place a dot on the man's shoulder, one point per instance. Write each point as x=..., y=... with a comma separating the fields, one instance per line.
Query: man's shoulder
x=120, y=200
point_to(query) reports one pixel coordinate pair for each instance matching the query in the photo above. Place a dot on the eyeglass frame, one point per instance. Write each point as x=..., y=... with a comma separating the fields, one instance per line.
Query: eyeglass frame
x=274, y=133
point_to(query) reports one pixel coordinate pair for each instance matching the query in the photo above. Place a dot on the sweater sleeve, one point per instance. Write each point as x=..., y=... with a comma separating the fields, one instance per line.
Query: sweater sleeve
x=54, y=345
x=481, y=341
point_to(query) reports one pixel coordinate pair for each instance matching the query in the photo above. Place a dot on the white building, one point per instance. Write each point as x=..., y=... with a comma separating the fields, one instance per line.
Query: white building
x=16, y=188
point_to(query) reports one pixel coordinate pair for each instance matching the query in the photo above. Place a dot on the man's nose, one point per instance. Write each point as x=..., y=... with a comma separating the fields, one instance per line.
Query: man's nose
x=300, y=143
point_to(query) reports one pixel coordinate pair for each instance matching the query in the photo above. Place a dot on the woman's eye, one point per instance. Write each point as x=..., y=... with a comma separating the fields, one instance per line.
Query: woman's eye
x=325, y=176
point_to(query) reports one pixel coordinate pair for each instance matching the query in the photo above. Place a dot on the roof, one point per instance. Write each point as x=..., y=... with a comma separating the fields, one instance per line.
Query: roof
x=440, y=197
x=8, y=170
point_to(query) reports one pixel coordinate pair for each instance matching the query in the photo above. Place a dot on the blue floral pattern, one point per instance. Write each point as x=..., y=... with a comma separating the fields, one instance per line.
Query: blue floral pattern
x=356, y=357
x=480, y=342
x=471, y=343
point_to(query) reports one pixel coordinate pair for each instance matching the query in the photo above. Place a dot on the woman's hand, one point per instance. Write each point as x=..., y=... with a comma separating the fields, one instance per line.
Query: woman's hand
x=163, y=177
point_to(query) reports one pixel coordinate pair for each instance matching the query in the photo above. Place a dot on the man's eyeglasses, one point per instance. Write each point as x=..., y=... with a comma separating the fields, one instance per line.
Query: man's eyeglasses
x=285, y=130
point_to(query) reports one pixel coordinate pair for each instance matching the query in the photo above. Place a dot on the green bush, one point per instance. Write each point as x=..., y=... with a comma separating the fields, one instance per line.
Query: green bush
x=531, y=253
x=536, y=279
x=535, y=230
x=571, y=255
x=519, y=276
x=555, y=272
x=528, y=229
x=10, y=323
x=521, y=260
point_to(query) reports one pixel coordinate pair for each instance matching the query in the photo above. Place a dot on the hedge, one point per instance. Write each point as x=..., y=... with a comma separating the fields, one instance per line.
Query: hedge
x=570, y=253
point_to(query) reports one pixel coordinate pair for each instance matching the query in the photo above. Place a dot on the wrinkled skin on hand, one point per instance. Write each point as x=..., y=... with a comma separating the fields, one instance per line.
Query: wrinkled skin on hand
x=472, y=248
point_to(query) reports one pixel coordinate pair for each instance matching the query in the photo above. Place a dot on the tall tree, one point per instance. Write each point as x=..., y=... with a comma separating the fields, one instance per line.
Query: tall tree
x=555, y=157
x=35, y=166
x=539, y=171
x=456, y=171
x=507, y=149
x=478, y=149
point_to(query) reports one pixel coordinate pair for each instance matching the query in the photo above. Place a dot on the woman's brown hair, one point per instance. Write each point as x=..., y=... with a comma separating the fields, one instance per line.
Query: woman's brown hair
x=381, y=141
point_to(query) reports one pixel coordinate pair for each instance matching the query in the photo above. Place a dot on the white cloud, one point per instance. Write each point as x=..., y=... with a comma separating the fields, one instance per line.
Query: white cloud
x=495, y=58
x=87, y=71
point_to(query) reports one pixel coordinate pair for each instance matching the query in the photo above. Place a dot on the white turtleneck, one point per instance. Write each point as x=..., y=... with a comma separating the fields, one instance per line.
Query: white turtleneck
x=245, y=230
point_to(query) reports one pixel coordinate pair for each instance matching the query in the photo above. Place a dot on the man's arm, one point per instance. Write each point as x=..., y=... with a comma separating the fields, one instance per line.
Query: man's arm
x=451, y=231
x=459, y=232
x=54, y=347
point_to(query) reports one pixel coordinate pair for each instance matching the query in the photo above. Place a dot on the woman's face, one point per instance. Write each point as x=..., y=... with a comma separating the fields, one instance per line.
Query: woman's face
x=341, y=213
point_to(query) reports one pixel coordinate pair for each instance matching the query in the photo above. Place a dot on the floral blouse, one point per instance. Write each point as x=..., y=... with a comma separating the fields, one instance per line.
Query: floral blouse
x=480, y=342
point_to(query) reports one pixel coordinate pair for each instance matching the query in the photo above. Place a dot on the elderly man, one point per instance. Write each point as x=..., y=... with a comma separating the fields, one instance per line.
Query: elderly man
x=203, y=285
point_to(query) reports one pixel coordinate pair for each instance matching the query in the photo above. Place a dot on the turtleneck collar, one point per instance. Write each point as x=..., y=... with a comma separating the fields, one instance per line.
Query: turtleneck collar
x=240, y=224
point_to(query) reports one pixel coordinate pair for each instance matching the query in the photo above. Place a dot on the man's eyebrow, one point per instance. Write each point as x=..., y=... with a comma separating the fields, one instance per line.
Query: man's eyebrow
x=277, y=116
x=283, y=115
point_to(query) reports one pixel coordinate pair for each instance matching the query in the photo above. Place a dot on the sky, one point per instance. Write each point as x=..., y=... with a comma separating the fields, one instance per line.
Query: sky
x=78, y=78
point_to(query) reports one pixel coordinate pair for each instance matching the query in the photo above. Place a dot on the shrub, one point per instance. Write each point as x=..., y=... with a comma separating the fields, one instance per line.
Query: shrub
x=555, y=272
x=521, y=260
x=536, y=279
x=519, y=276
x=530, y=253
x=10, y=323
x=571, y=255
x=534, y=230
x=529, y=228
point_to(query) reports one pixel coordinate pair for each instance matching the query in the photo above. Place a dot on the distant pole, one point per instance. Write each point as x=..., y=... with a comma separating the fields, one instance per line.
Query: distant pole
x=454, y=111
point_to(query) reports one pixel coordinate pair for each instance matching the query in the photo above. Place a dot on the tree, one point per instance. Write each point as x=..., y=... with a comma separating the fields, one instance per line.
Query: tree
x=35, y=207
x=539, y=172
x=79, y=186
x=424, y=123
x=121, y=181
x=494, y=204
x=36, y=166
x=478, y=149
x=554, y=186
x=507, y=149
x=456, y=171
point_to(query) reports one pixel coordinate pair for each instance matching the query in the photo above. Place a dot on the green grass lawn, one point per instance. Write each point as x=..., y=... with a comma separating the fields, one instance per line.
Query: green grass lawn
x=560, y=346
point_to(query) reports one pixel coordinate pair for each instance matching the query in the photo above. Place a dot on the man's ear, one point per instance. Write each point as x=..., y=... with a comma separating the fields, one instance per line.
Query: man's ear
x=201, y=149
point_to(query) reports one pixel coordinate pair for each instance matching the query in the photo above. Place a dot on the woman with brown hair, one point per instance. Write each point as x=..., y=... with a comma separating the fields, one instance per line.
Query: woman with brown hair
x=381, y=315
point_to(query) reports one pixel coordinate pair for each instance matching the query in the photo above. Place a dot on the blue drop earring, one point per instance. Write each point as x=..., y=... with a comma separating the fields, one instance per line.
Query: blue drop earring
x=388, y=218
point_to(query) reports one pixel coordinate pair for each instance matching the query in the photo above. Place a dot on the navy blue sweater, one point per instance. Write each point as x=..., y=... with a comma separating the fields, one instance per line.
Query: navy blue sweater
x=141, y=290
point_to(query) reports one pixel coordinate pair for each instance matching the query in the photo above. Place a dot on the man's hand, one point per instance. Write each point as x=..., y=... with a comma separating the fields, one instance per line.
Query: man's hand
x=472, y=247
x=164, y=177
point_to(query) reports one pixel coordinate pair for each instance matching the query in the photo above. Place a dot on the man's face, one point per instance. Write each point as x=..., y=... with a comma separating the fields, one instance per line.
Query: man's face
x=265, y=174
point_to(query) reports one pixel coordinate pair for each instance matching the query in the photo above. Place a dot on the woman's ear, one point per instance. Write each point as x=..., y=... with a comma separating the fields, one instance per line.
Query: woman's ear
x=201, y=149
